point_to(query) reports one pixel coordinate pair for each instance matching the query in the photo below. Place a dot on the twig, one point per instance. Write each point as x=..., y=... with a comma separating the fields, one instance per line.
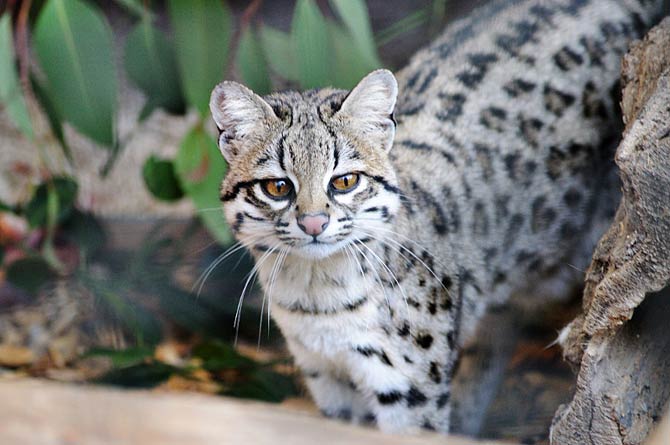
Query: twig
x=248, y=14
x=22, y=46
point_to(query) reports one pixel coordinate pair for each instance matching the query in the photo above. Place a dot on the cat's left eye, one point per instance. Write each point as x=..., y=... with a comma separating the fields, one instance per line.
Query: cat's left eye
x=344, y=183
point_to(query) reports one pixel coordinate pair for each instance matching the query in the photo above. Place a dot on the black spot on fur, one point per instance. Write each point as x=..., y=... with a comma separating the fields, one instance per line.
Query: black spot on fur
x=426, y=425
x=403, y=331
x=413, y=302
x=451, y=339
x=541, y=215
x=523, y=32
x=517, y=87
x=369, y=419
x=556, y=101
x=389, y=398
x=569, y=231
x=493, y=118
x=437, y=212
x=434, y=372
x=566, y=59
x=592, y=103
x=512, y=165
x=424, y=340
x=415, y=397
x=479, y=63
x=574, y=6
x=344, y=414
x=543, y=13
x=501, y=202
x=453, y=208
x=572, y=198
x=385, y=359
x=416, y=145
x=484, y=159
x=529, y=128
x=594, y=49
x=513, y=228
x=480, y=220
x=427, y=80
x=442, y=400
x=239, y=220
x=452, y=107
x=499, y=277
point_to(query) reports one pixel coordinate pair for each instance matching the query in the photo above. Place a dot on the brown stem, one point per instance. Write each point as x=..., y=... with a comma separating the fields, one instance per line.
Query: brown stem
x=245, y=20
x=22, y=45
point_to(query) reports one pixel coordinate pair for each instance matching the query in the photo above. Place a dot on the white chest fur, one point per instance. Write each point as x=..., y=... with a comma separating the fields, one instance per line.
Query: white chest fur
x=325, y=305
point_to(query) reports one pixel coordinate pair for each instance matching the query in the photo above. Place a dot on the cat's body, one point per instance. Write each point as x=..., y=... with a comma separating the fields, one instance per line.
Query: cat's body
x=498, y=182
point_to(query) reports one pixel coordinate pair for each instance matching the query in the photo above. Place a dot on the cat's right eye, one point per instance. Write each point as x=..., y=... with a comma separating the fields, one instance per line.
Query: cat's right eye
x=277, y=188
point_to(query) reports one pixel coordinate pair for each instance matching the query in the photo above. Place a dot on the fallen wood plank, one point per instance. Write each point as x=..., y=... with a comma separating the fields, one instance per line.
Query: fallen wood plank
x=35, y=412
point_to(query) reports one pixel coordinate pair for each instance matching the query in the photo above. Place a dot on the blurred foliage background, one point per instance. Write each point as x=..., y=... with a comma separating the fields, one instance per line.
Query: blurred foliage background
x=156, y=310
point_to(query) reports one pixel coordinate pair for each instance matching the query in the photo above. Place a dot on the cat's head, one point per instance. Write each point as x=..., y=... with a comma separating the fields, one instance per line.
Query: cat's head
x=308, y=171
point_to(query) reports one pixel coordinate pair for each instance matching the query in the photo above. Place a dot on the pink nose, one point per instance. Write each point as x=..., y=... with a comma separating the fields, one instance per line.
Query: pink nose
x=313, y=223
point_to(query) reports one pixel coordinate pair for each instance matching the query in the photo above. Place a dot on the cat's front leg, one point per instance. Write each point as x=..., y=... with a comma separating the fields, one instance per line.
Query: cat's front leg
x=333, y=391
x=406, y=394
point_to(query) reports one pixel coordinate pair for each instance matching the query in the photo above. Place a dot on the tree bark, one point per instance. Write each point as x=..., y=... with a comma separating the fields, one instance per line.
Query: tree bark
x=621, y=341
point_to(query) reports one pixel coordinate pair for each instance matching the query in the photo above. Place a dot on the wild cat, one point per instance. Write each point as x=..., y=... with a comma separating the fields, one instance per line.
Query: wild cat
x=385, y=220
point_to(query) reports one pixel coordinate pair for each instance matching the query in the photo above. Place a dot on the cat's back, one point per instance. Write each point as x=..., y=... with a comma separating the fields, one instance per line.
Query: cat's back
x=506, y=124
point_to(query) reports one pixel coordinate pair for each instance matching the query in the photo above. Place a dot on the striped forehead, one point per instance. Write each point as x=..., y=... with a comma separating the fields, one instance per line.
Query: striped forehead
x=307, y=144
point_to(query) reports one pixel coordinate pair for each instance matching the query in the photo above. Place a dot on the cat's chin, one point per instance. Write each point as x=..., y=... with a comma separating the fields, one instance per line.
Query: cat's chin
x=317, y=251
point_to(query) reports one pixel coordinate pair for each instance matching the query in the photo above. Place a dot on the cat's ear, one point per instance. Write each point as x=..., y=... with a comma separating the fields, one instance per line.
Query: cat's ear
x=239, y=114
x=369, y=106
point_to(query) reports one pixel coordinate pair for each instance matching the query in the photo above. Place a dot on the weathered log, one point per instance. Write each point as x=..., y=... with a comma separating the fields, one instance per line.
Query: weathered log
x=36, y=412
x=621, y=341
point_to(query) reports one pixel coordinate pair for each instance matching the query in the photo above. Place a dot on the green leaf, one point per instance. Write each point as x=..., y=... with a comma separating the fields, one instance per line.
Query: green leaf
x=85, y=231
x=122, y=358
x=265, y=385
x=200, y=169
x=279, y=52
x=37, y=210
x=11, y=94
x=133, y=7
x=151, y=64
x=354, y=14
x=203, y=30
x=217, y=356
x=6, y=207
x=402, y=26
x=311, y=45
x=113, y=298
x=161, y=180
x=74, y=46
x=350, y=65
x=142, y=375
x=55, y=120
x=29, y=273
x=251, y=62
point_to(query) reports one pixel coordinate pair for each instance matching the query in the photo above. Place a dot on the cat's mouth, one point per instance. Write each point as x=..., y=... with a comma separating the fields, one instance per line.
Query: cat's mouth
x=318, y=248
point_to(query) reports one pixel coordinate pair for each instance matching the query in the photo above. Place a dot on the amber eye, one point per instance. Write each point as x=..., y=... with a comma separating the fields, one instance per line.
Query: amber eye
x=277, y=188
x=344, y=183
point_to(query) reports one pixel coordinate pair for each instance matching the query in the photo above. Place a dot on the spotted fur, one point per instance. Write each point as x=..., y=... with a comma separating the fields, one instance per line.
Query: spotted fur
x=496, y=180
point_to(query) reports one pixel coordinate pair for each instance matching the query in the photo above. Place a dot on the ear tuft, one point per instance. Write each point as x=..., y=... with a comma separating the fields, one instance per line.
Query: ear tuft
x=239, y=113
x=369, y=106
